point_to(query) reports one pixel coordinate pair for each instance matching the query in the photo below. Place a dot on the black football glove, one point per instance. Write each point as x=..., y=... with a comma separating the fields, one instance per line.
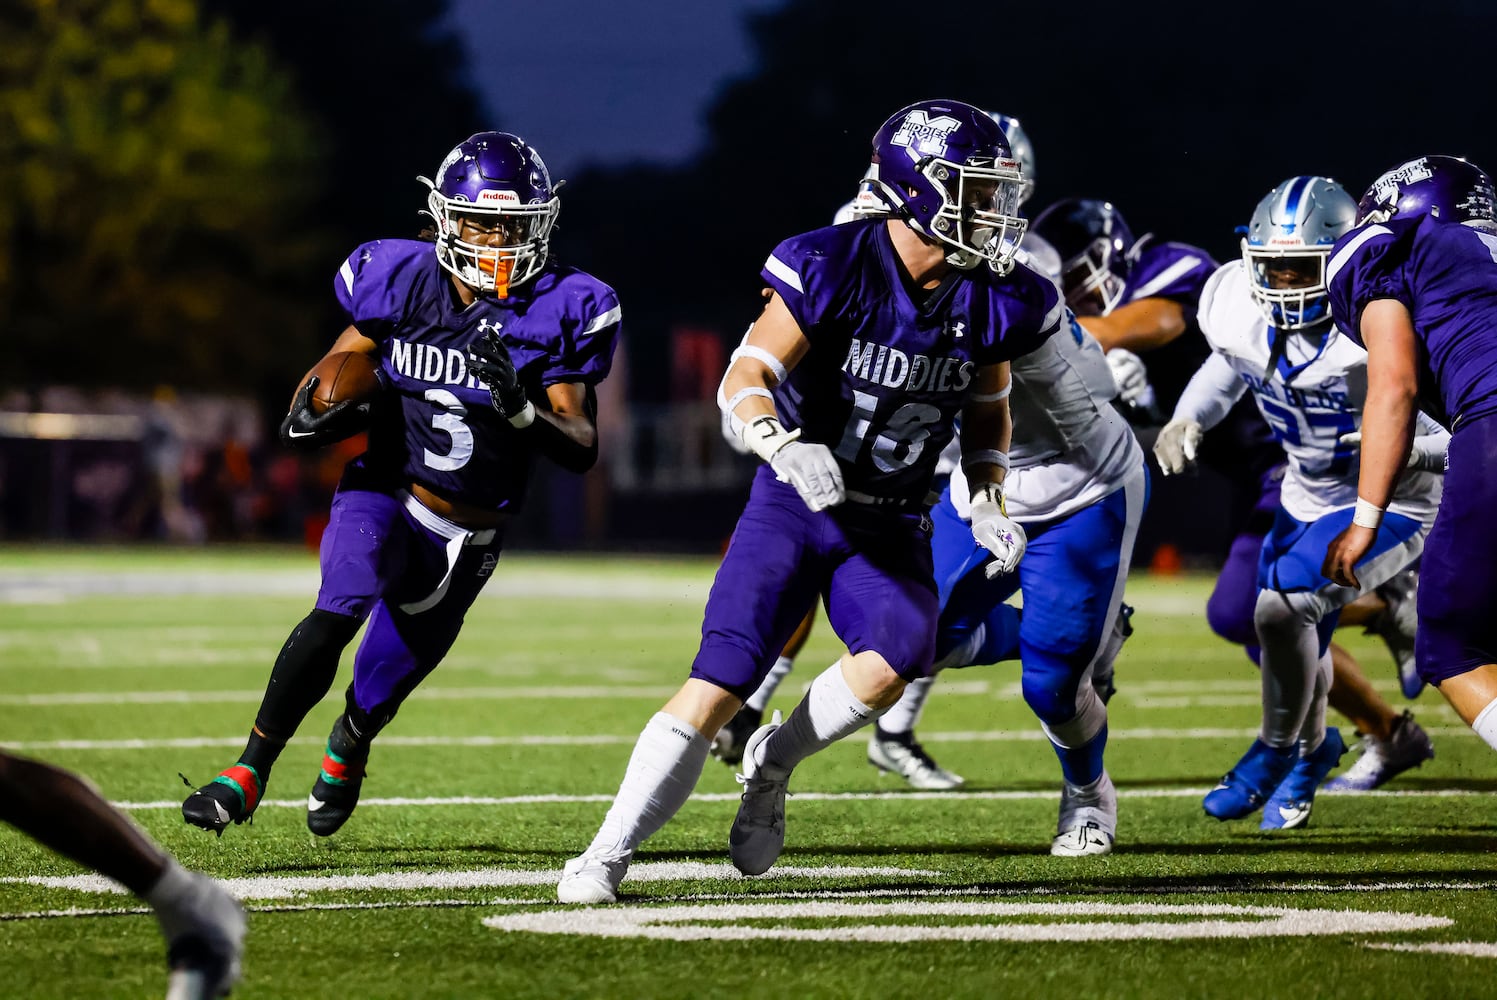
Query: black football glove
x=305, y=429
x=489, y=359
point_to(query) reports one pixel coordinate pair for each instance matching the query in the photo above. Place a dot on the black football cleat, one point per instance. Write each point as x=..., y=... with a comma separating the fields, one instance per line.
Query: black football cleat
x=229, y=798
x=336, y=791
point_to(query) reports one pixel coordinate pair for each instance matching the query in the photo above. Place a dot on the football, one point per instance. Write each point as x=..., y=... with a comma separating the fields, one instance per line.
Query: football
x=348, y=375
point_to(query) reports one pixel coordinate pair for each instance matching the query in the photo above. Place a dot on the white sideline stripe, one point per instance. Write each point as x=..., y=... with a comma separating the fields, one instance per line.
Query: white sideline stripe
x=288, y=887
x=993, y=796
x=622, y=739
x=882, y=921
x=1469, y=949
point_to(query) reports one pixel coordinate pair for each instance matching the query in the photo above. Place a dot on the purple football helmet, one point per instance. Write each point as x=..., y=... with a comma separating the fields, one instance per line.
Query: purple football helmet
x=1447, y=187
x=494, y=206
x=1094, y=243
x=947, y=170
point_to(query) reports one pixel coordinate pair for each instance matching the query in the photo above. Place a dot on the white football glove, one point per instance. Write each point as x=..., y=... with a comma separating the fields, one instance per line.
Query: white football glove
x=1129, y=373
x=813, y=470
x=995, y=531
x=1177, y=445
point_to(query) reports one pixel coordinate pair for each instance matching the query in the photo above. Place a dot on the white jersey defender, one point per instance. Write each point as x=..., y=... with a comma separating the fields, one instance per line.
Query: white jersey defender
x=1312, y=399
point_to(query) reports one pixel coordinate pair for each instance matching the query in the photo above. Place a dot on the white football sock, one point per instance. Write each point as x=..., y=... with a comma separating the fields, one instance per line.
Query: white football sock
x=1485, y=724
x=904, y=716
x=770, y=684
x=828, y=712
x=664, y=768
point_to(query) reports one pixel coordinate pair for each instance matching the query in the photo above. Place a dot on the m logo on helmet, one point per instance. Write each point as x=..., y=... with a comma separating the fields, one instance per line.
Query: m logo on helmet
x=924, y=136
x=1387, y=185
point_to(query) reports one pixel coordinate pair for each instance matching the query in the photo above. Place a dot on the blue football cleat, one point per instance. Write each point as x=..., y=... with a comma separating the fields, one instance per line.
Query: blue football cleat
x=1289, y=808
x=1252, y=781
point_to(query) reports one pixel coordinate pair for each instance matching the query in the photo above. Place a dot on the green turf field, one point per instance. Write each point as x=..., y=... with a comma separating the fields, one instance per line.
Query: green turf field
x=132, y=666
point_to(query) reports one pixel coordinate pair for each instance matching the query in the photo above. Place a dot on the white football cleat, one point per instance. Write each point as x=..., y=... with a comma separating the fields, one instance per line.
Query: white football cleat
x=758, y=834
x=903, y=755
x=1088, y=819
x=588, y=880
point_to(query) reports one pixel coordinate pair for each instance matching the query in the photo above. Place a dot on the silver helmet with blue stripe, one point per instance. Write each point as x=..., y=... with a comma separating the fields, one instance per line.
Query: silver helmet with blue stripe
x=1286, y=247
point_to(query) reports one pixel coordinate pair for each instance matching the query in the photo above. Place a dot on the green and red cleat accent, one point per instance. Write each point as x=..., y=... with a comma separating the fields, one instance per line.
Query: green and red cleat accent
x=229, y=798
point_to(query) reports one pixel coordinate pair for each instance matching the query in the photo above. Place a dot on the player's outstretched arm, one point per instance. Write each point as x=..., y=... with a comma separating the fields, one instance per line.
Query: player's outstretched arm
x=1138, y=326
x=773, y=346
x=1387, y=430
x=1209, y=396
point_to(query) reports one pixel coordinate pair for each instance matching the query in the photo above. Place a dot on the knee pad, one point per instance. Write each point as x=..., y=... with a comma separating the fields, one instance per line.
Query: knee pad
x=1277, y=612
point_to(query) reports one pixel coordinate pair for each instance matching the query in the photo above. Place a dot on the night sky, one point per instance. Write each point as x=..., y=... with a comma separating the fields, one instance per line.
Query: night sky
x=600, y=83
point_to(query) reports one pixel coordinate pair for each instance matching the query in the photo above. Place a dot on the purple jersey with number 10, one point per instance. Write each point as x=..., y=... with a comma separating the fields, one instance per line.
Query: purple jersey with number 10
x=445, y=433
x=888, y=369
x=1445, y=274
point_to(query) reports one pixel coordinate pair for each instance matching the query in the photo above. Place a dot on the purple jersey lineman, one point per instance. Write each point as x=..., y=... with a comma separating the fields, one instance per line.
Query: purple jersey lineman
x=886, y=373
x=1445, y=274
x=445, y=434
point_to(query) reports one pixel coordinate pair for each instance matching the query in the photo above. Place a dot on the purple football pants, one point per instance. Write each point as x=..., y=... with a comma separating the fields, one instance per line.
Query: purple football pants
x=872, y=565
x=413, y=574
x=1458, y=576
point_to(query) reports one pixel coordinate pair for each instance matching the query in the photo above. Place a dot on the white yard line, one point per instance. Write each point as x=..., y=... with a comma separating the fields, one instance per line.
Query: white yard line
x=1467, y=949
x=291, y=886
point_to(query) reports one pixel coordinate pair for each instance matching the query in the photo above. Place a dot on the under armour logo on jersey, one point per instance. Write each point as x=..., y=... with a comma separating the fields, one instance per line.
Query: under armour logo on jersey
x=924, y=136
x=958, y=328
x=484, y=326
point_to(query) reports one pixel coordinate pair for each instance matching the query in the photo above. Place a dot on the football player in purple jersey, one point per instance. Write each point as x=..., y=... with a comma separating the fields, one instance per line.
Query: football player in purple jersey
x=204, y=927
x=1415, y=282
x=879, y=334
x=489, y=349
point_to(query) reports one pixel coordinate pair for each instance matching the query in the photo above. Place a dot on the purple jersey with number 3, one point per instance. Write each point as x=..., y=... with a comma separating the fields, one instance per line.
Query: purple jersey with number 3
x=888, y=366
x=1445, y=274
x=445, y=434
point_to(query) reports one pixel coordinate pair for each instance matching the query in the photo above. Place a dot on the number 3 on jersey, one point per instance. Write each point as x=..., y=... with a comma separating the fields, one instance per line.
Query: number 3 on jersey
x=449, y=420
x=900, y=441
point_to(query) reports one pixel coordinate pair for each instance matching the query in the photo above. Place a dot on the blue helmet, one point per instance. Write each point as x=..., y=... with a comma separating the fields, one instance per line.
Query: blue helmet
x=1094, y=243
x=496, y=185
x=946, y=168
x=1287, y=244
x=1448, y=187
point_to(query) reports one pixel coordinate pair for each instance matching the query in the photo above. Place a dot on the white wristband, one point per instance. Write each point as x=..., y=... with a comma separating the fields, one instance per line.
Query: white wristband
x=765, y=435
x=1367, y=515
x=985, y=457
x=525, y=417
